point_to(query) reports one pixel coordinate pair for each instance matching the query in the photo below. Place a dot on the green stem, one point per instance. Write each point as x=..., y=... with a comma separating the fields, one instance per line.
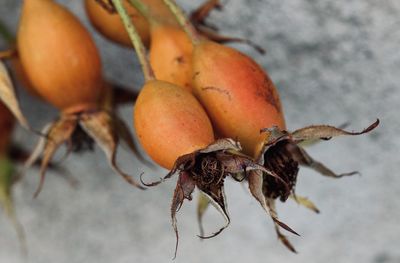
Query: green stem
x=6, y=34
x=136, y=40
x=183, y=20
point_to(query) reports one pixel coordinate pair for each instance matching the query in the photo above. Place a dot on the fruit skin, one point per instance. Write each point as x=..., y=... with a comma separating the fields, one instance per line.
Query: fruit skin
x=22, y=77
x=170, y=122
x=59, y=56
x=110, y=25
x=6, y=127
x=171, y=55
x=237, y=93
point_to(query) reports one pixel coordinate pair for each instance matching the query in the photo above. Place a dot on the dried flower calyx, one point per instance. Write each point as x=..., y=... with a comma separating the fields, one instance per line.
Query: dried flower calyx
x=207, y=169
x=283, y=155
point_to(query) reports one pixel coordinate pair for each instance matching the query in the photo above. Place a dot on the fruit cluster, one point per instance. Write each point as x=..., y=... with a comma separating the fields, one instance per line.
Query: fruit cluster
x=206, y=112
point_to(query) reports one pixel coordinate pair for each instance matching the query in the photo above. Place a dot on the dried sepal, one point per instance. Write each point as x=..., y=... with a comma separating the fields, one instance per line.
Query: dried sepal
x=285, y=241
x=116, y=95
x=203, y=203
x=198, y=19
x=99, y=126
x=304, y=201
x=9, y=98
x=124, y=133
x=59, y=133
x=281, y=155
x=256, y=183
x=37, y=151
x=207, y=169
x=303, y=158
x=326, y=132
x=183, y=190
x=222, y=39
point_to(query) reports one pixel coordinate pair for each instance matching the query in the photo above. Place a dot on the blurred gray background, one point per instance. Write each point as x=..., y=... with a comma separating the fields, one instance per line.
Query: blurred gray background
x=334, y=61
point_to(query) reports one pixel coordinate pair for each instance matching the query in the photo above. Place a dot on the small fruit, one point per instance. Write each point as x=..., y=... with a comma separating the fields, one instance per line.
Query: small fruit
x=171, y=55
x=110, y=25
x=63, y=65
x=239, y=96
x=62, y=62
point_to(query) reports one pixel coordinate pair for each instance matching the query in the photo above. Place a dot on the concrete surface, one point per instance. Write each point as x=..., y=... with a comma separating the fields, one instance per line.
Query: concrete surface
x=334, y=61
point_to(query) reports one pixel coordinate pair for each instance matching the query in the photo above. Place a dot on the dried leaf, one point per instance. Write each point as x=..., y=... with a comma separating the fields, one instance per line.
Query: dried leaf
x=99, y=126
x=326, y=132
x=59, y=133
x=9, y=98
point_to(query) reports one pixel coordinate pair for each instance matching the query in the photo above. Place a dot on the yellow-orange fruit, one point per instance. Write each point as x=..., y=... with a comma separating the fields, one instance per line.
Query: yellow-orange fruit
x=6, y=128
x=59, y=56
x=170, y=122
x=237, y=93
x=111, y=26
x=171, y=55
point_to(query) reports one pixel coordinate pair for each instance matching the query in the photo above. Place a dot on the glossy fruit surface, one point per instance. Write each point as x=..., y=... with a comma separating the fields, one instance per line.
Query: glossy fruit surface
x=170, y=122
x=59, y=56
x=238, y=95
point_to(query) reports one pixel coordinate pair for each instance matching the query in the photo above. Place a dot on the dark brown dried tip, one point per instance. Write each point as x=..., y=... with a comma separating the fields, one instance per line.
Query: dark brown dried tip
x=207, y=169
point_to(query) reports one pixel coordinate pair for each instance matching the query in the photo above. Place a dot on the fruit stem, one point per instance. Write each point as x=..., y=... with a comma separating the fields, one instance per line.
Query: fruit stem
x=143, y=9
x=183, y=20
x=136, y=40
x=6, y=34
